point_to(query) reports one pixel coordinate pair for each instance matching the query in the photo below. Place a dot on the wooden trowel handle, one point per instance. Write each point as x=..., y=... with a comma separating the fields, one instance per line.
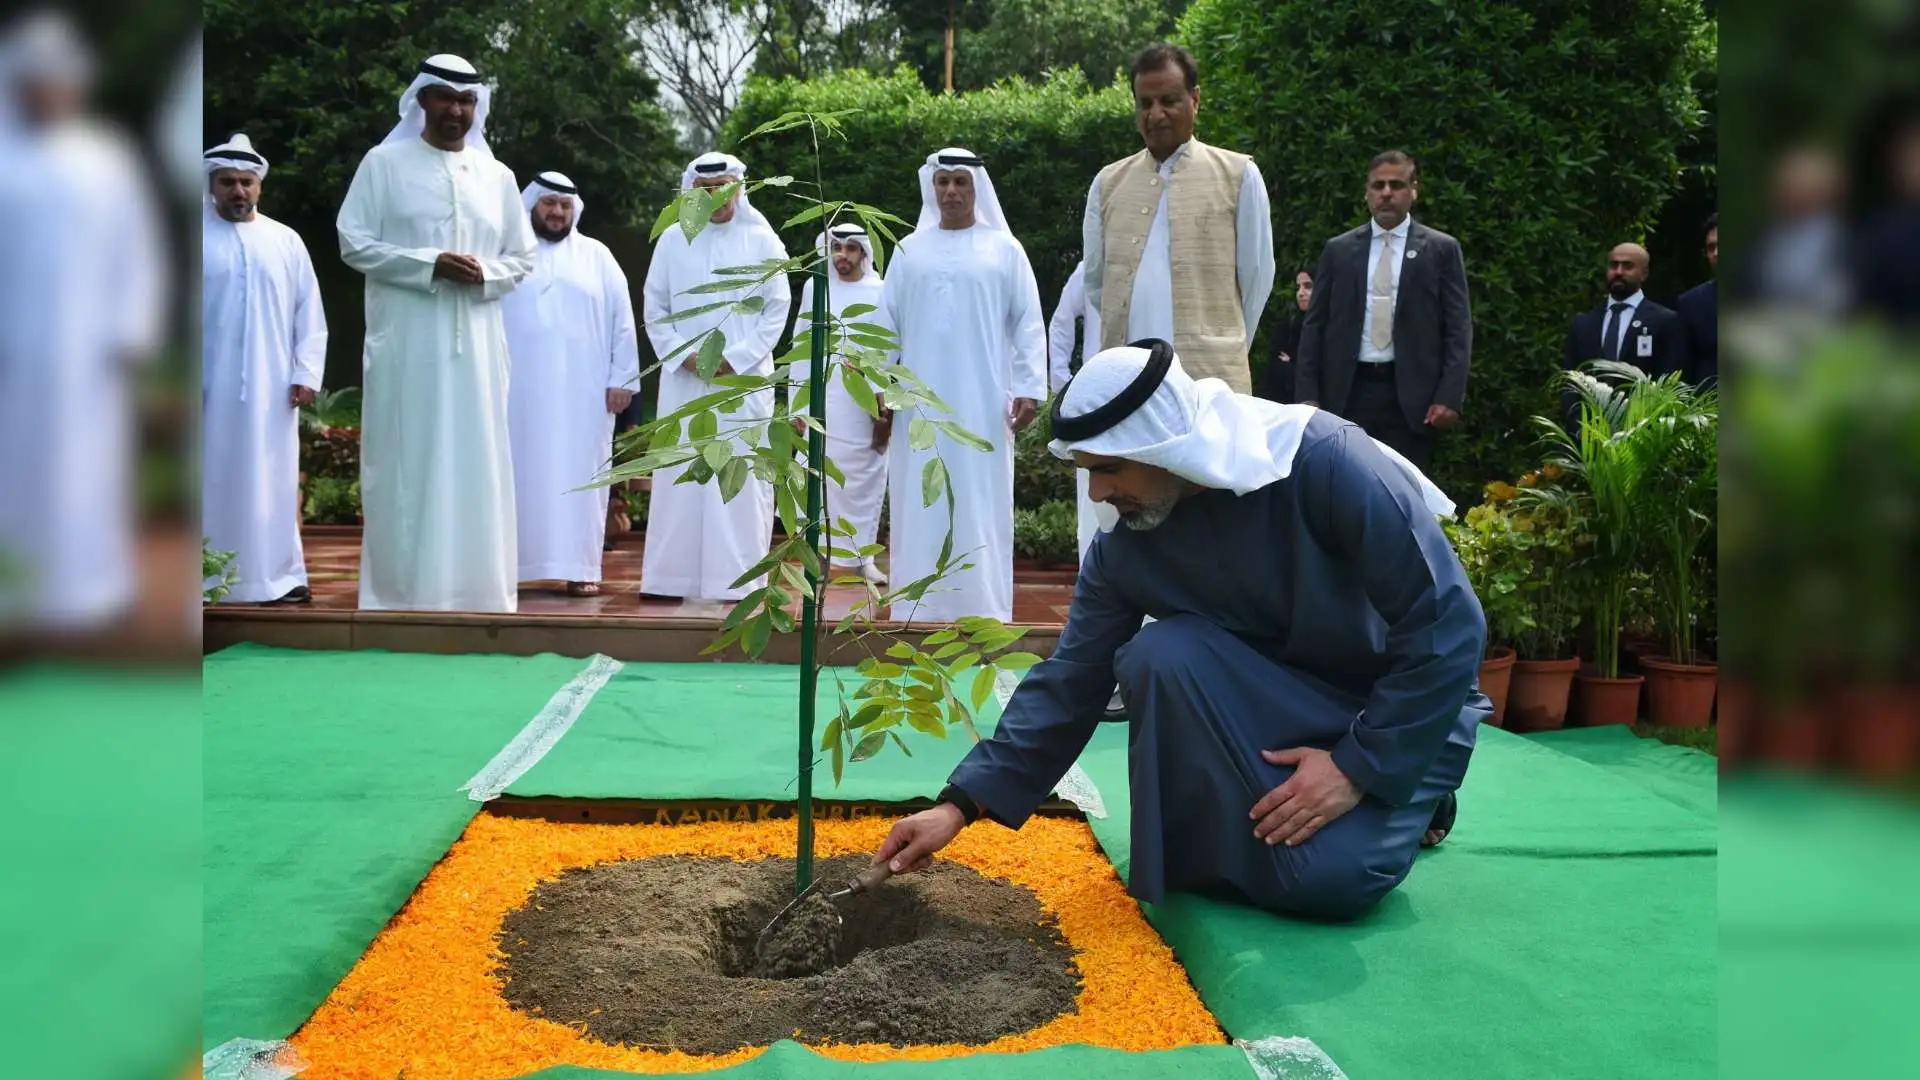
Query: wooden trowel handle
x=872, y=877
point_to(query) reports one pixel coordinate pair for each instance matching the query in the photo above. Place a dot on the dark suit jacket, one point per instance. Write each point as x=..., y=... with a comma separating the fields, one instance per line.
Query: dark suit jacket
x=1699, y=309
x=1432, y=326
x=1659, y=326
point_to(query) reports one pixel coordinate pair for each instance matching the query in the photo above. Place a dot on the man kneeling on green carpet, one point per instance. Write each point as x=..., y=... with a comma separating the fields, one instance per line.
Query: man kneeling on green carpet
x=1304, y=703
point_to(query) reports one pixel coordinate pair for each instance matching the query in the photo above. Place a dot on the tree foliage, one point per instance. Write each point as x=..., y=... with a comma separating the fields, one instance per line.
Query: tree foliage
x=1026, y=38
x=1545, y=132
x=316, y=85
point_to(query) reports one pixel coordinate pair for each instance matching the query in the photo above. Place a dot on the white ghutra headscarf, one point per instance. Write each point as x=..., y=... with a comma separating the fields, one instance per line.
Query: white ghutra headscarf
x=454, y=73
x=1198, y=430
x=858, y=235
x=553, y=183
x=236, y=153
x=986, y=204
x=715, y=163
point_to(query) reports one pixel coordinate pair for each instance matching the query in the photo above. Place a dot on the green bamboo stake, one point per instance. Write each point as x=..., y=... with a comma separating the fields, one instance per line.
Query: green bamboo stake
x=809, y=609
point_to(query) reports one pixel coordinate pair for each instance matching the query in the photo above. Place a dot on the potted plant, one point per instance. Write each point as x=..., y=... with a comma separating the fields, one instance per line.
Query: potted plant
x=1680, y=491
x=1622, y=425
x=1498, y=563
x=1554, y=538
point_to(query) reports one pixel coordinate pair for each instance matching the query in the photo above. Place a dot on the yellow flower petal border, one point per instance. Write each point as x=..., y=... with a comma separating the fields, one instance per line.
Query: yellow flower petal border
x=426, y=997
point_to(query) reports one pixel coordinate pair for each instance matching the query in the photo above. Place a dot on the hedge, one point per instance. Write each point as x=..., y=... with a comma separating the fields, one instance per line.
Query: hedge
x=1546, y=132
x=1042, y=144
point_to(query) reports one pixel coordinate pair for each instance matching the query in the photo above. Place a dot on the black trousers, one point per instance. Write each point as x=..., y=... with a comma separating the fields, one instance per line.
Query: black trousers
x=1374, y=404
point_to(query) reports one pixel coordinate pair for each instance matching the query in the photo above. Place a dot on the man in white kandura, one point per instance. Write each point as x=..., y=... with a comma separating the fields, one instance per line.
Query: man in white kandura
x=964, y=299
x=436, y=225
x=576, y=362
x=1073, y=306
x=698, y=543
x=850, y=441
x=263, y=351
x=82, y=309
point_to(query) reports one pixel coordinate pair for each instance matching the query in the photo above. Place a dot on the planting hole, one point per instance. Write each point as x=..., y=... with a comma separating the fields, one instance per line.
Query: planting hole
x=660, y=953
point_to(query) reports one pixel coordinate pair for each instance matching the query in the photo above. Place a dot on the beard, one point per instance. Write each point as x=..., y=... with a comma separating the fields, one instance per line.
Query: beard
x=1150, y=515
x=551, y=235
x=235, y=211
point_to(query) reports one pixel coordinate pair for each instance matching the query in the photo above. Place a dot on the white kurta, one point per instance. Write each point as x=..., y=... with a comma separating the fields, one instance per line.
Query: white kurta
x=436, y=474
x=697, y=543
x=968, y=313
x=850, y=430
x=570, y=331
x=81, y=299
x=1073, y=305
x=263, y=332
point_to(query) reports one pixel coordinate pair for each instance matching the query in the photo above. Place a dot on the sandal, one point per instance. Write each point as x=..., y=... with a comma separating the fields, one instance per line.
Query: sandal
x=583, y=588
x=1442, y=823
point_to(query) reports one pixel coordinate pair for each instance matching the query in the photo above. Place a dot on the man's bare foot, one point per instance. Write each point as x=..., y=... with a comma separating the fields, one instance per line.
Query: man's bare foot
x=583, y=588
x=1442, y=824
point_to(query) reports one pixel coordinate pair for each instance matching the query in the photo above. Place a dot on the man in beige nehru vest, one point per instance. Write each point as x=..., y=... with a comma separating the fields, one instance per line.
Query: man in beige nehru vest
x=1178, y=237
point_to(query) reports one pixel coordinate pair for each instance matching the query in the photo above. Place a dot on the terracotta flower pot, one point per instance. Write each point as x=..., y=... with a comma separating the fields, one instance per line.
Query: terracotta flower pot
x=1680, y=695
x=1537, y=697
x=1880, y=732
x=1608, y=701
x=1496, y=678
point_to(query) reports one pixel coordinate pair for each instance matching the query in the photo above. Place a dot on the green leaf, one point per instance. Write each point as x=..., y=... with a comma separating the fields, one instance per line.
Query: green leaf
x=927, y=724
x=920, y=434
x=702, y=426
x=897, y=741
x=695, y=212
x=1015, y=661
x=883, y=670
x=743, y=607
x=757, y=633
x=716, y=454
x=832, y=469
x=801, y=218
x=982, y=687
x=860, y=390
x=963, y=436
x=752, y=305
x=941, y=637
x=834, y=727
x=868, y=713
x=949, y=649
x=776, y=181
x=839, y=761
x=933, y=481
x=853, y=310
x=998, y=637
x=712, y=351
x=733, y=476
x=900, y=650
x=792, y=575
x=688, y=313
x=870, y=745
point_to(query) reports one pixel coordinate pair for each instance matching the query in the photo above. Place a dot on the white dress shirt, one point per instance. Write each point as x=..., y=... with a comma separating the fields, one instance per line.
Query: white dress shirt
x=1626, y=322
x=1369, y=354
x=1151, y=311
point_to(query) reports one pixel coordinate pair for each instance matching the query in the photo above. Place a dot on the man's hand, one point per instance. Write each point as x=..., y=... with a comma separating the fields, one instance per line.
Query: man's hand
x=1440, y=418
x=692, y=364
x=463, y=269
x=618, y=399
x=911, y=844
x=1316, y=793
x=1024, y=410
x=883, y=428
x=300, y=396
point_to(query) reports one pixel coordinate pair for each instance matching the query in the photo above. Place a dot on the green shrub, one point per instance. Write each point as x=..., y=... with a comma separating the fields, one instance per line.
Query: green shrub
x=1546, y=132
x=1040, y=478
x=332, y=500
x=1042, y=144
x=1048, y=535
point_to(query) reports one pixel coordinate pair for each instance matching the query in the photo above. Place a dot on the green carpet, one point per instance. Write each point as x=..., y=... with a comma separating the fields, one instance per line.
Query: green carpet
x=1685, y=777
x=100, y=792
x=1567, y=928
x=331, y=790
x=724, y=731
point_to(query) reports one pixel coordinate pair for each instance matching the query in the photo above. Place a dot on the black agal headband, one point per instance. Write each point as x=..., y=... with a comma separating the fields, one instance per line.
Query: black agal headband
x=1088, y=424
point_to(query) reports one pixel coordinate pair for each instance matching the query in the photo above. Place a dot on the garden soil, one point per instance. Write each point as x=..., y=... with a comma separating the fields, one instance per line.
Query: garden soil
x=660, y=953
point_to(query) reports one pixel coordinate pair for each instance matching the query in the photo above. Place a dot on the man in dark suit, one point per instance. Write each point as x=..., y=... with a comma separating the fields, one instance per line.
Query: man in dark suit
x=1699, y=309
x=1626, y=326
x=1388, y=336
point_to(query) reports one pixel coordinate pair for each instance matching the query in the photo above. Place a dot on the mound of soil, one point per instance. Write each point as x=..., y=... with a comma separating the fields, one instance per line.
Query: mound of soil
x=661, y=953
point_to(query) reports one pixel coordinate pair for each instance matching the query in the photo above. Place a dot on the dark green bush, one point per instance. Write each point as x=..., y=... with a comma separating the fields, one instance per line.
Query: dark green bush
x=1047, y=535
x=1546, y=132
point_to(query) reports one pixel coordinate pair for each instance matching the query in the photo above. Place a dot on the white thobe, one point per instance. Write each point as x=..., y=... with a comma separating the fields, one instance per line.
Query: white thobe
x=571, y=334
x=436, y=473
x=968, y=313
x=850, y=431
x=1150, y=311
x=697, y=543
x=82, y=297
x=1073, y=305
x=263, y=332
